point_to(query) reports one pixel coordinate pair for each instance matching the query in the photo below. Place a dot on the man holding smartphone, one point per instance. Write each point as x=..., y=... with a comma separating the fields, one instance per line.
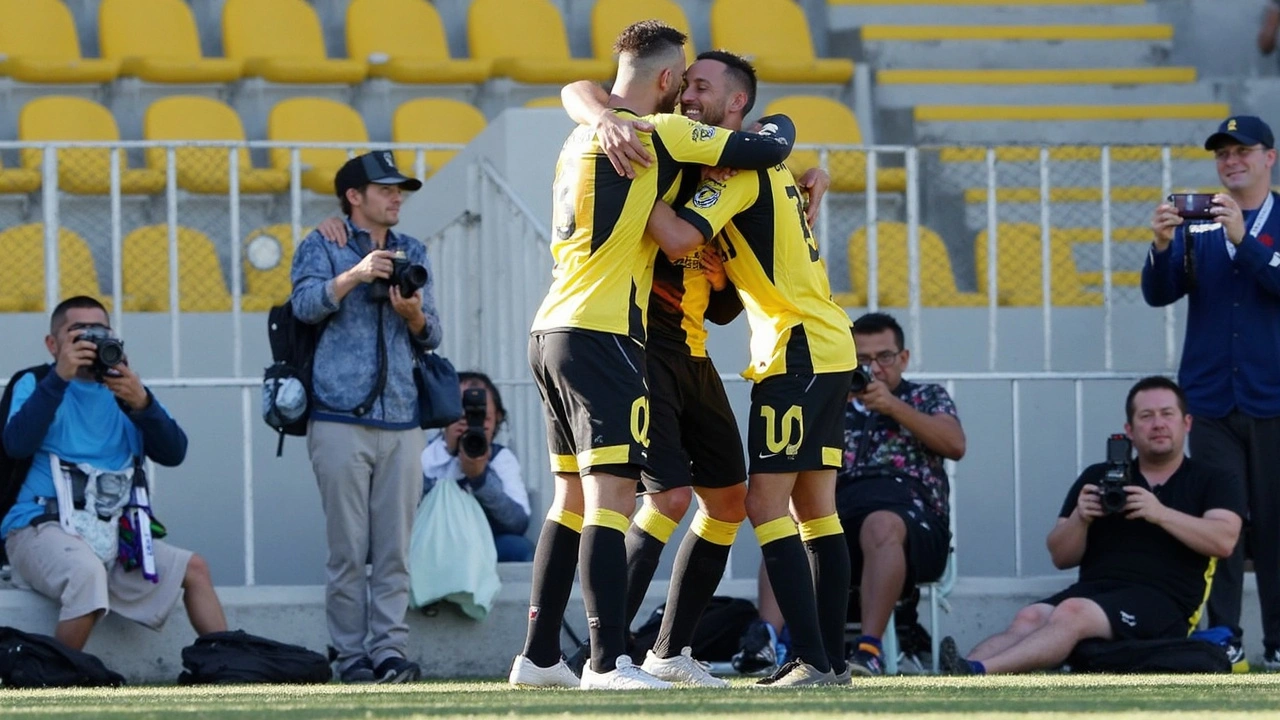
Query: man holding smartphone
x=1228, y=357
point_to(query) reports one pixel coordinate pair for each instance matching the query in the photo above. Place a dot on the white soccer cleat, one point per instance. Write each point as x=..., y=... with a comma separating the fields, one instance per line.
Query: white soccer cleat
x=525, y=674
x=624, y=676
x=681, y=669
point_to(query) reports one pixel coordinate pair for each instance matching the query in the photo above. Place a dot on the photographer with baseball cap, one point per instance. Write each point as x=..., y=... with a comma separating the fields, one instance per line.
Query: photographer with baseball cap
x=363, y=438
x=1229, y=355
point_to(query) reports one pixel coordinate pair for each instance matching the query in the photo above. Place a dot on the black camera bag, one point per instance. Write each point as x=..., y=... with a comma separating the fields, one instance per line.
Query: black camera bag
x=238, y=657
x=1162, y=655
x=28, y=660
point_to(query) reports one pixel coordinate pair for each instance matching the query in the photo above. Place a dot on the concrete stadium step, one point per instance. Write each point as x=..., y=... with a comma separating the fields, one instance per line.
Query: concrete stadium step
x=1016, y=46
x=848, y=14
x=960, y=168
x=1179, y=124
x=900, y=88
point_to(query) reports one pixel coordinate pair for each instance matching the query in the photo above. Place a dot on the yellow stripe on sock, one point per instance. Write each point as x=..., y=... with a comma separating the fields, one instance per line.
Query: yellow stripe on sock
x=821, y=527
x=775, y=529
x=602, y=517
x=655, y=523
x=569, y=519
x=714, y=531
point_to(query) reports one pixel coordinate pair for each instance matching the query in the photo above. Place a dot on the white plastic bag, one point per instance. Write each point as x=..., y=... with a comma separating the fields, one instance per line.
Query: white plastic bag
x=451, y=552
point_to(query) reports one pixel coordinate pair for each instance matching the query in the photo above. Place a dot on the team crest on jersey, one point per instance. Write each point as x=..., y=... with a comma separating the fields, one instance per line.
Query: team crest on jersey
x=706, y=196
x=703, y=132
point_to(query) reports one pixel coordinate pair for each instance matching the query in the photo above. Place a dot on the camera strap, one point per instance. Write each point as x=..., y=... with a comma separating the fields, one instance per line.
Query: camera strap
x=869, y=424
x=380, y=384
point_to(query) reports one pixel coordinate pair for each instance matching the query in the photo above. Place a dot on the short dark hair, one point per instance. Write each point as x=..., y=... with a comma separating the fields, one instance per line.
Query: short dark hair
x=72, y=303
x=648, y=38
x=346, y=204
x=740, y=72
x=877, y=322
x=1154, y=382
x=467, y=375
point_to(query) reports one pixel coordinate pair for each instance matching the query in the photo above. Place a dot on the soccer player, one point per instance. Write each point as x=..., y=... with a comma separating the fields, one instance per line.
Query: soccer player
x=802, y=357
x=587, y=357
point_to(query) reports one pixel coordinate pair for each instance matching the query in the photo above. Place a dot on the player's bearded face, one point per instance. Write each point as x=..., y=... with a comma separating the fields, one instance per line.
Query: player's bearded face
x=668, y=101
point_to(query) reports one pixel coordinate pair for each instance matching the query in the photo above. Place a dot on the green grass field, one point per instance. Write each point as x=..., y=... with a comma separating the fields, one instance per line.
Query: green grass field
x=1032, y=696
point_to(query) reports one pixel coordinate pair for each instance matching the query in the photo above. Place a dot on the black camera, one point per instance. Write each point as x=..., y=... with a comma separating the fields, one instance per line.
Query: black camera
x=1111, y=487
x=475, y=408
x=861, y=379
x=110, y=349
x=409, y=277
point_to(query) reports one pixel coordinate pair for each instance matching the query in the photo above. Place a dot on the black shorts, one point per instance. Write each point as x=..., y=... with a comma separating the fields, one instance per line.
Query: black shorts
x=1135, y=612
x=797, y=422
x=595, y=401
x=927, y=550
x=693, y=437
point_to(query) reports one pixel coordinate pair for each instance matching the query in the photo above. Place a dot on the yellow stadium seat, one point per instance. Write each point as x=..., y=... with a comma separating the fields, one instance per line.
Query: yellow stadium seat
x=205, y=170
x=201, y=287
x=157, y=41
x=265, y=284
x=22, y=283
x=610, y=17
x=1018, y=267
x=824, y=121
x=546, y=101
x=434, y=120
x=937, y=281
x=280, y=41
x=18, y=180
x=310, y=120
x=526, y=41
x=38, y=44
x=775, y=35
x=85, y=171
x=404, y=41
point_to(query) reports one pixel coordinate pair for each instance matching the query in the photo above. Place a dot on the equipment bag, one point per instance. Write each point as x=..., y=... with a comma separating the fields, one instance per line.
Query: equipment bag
x=716, y=637
x=28, y=660
x=13, y=471
x=238, y=657
x=1167, y=655
x=286, y=383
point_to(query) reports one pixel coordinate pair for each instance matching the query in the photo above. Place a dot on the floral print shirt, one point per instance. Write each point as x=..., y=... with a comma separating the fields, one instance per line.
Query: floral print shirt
x=894, y=447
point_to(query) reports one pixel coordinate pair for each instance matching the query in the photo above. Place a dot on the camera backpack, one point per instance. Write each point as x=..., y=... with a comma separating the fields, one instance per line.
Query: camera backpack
x=28, y=660
x=1163, y=655
x=286, y=383
x=238, y=657
x=13, y=470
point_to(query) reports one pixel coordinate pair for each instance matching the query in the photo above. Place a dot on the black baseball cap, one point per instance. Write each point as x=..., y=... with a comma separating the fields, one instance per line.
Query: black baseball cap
x=377, y=167
x=1244, y=129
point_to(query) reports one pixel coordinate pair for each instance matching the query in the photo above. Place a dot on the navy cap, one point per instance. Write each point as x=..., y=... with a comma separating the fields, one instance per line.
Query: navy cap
x=1244, y=129
x=377, y=167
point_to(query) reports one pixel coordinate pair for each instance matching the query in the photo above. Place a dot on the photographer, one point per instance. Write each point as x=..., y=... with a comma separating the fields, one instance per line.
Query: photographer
x=373, y=295
x=465, y=453
x=1228, y=268
x=1144, y=568
x=84, y=426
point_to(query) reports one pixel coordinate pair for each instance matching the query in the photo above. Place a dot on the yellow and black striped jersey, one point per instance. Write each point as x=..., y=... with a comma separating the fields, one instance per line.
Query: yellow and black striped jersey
x=757, y=219
x=603, y=257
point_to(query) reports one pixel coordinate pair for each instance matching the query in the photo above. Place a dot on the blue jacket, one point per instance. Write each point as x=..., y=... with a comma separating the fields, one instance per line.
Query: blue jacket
x=1231, y=355
x=346, y=361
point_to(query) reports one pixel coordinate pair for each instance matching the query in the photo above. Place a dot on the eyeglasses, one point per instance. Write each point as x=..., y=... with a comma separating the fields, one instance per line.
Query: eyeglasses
x=884, y=359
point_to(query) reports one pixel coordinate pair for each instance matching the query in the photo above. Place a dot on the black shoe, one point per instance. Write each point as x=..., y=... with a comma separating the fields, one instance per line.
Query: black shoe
x=1236, y=656
x=757, y=654
x=361, y=671
x=397, y=670
x=866, y=664
x=950, y=661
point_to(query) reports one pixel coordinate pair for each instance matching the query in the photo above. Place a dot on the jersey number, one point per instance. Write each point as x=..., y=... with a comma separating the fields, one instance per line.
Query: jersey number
x=640, y=421
x=794, y=194
x=778, y=435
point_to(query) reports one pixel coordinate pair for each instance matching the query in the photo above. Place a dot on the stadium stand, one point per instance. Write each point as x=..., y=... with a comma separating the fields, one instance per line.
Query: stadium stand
x=156, y=41
x=85, y=171
x=312, y=120
x=434, y=120
x=22, y=290
x=1019, y=247
x=268, y=256
x=280, y=41
x=775, y=35
x=201, y=286
x=38, y=44
x=823, y=121
x=18, y=180
x=937, y=281
x=609, y=17
x=205, y=170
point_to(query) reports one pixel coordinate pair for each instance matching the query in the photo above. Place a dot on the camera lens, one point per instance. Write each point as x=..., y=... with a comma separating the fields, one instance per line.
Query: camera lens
x=861, y=379
x=473, y=443
x=110, y=352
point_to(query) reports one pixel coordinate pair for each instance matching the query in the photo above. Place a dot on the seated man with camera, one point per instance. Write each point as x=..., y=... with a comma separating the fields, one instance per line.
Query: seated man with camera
x=466, y=454
x=76, y=435
x=1146, y=556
